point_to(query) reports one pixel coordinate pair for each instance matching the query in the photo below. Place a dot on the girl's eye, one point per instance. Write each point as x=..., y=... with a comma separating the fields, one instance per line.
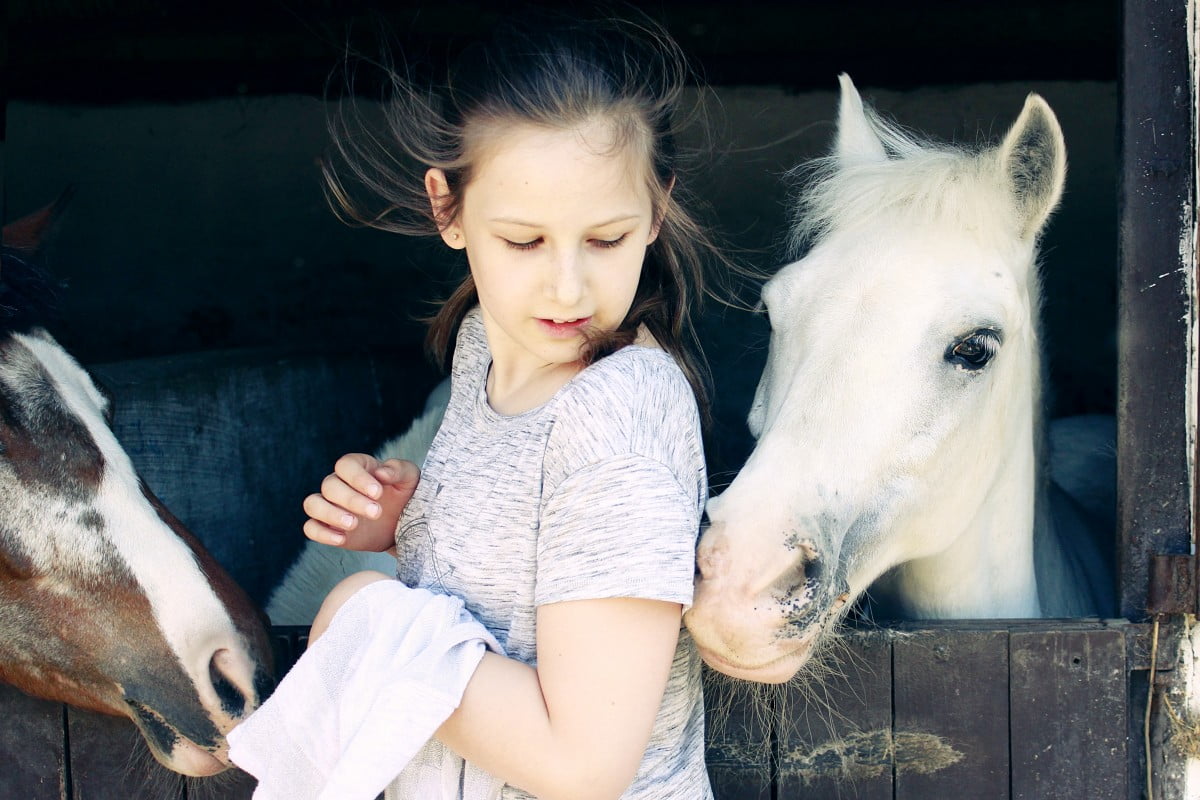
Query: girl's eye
x=523, y=245
x=532, y=243
x=610, y=242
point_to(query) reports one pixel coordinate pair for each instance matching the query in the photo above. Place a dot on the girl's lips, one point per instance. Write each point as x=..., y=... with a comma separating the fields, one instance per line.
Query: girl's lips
x=563, y=328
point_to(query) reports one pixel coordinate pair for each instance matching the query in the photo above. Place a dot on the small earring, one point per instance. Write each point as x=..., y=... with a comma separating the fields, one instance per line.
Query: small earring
x=454, y=236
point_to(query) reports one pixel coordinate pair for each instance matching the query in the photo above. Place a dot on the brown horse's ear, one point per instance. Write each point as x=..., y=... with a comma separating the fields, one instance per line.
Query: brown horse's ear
x=31, y=232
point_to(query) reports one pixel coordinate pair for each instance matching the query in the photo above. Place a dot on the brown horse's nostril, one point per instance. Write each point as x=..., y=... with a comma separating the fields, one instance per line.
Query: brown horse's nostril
x=233, y=702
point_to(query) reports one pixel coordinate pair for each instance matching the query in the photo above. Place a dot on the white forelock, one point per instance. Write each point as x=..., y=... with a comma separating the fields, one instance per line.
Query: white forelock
x=922, y=182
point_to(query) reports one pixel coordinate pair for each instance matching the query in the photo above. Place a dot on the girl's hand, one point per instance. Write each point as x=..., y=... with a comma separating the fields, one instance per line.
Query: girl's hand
x=360, y=503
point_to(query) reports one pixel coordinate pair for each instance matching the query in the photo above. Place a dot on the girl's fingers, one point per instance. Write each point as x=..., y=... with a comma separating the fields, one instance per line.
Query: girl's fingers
x=355, y=470
x=399, y=474
x=328, y=514
x=346, y=497
x=323, y=534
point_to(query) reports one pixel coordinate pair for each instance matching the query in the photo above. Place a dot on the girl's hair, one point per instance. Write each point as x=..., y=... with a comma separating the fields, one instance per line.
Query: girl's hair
x=555, y=73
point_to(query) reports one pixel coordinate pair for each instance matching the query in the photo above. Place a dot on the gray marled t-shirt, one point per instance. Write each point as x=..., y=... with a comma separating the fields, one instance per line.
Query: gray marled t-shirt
x=595, y=494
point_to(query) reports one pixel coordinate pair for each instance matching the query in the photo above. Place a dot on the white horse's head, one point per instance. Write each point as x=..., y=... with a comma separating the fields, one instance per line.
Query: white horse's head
x=903, y=357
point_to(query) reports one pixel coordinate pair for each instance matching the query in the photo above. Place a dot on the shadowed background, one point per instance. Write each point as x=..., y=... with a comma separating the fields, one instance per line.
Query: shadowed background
x=190, y=134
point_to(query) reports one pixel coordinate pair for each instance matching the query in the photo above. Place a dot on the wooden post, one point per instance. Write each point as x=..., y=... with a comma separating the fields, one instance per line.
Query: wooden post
x=1156, y=212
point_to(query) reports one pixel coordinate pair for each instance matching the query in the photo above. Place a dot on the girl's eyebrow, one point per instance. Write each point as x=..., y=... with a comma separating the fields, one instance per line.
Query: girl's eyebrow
x=523, y=224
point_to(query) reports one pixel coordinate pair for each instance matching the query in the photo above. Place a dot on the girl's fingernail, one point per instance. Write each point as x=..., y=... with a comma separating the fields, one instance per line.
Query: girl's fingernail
x=347, y=521
x=374, y=489
x=338, y=538
x=373, y=510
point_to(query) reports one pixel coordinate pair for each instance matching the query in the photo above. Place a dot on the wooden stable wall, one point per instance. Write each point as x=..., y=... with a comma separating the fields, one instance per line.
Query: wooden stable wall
x=959, y=710
x=993, y=711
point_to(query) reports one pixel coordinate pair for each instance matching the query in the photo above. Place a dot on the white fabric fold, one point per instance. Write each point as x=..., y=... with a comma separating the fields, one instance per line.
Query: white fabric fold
x=364, y=701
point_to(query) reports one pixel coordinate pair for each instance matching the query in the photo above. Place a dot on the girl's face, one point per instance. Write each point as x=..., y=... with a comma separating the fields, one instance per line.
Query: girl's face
x=555, y=224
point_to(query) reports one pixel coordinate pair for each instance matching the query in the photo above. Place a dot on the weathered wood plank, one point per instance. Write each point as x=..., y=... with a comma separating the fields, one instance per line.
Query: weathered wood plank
x=109, y=759
x=835, y=737
x=1156, y=215
x=950, y=701
x=1068, y=709
x=31, y=747
x=739, y=732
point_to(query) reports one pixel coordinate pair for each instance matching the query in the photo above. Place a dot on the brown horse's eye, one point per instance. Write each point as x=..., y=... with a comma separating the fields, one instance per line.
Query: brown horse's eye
x=973, y=351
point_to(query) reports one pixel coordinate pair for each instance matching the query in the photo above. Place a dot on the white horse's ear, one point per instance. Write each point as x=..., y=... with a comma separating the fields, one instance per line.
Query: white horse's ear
x=1033, y=160
x=857, y=140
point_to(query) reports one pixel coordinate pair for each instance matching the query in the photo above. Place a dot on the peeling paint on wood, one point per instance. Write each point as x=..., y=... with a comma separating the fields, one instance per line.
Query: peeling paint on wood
x=869, y=754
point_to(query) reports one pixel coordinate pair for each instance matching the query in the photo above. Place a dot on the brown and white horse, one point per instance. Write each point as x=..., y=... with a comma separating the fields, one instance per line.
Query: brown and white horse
x=106, y=601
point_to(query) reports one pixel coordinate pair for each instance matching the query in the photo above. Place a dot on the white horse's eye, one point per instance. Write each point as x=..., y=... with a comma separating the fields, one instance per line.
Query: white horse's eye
x=974, y=351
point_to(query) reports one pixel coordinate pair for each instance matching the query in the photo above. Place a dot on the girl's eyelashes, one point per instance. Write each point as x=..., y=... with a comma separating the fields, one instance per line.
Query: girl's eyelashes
x=610, y=242
x=522, y=245
x=532, y=243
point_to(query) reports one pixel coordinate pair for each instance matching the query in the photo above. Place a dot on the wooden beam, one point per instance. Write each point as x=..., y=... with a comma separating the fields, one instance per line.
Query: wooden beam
x=137, y=49
x=1156, y=213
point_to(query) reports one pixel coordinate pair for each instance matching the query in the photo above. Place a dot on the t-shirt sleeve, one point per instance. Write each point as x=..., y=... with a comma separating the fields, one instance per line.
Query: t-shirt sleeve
x=622, y=527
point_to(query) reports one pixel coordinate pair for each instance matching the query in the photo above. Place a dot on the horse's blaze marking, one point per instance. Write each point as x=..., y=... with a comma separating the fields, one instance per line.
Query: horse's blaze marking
x=241, y=610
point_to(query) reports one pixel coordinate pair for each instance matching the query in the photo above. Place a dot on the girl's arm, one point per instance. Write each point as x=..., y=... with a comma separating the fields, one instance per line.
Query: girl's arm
x=577, y=726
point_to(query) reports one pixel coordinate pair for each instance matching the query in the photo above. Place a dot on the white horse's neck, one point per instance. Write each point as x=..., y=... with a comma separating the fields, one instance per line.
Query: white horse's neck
x=989, y=569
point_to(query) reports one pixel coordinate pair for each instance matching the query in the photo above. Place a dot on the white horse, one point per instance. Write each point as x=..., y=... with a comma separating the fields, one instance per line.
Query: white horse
x=297, y=597
x=898, y=416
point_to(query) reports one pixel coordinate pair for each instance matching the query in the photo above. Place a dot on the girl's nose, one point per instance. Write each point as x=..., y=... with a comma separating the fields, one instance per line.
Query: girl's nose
x=566, y=280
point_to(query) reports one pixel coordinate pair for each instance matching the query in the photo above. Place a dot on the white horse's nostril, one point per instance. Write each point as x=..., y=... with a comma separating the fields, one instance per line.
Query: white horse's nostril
x=806, y=547
x=792, y=581
x=705, y=561
x=791, y=584
x=712, y=554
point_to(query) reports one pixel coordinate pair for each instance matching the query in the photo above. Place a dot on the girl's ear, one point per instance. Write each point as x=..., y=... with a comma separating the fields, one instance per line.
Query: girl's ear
x=658, y=218
x=438, y=189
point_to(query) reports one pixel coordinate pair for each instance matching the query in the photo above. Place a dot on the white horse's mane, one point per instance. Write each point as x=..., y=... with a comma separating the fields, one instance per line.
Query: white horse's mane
x=920, y=182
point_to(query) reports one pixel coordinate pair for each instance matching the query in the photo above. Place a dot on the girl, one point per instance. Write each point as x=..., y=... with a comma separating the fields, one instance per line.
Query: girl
x=561, y=498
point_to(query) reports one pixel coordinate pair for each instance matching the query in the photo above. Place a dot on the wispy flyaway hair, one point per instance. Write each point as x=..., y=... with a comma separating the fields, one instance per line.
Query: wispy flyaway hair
x=553, y=72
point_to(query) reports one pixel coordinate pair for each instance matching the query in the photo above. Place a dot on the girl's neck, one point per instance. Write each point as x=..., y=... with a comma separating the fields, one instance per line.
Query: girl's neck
x=510, y=394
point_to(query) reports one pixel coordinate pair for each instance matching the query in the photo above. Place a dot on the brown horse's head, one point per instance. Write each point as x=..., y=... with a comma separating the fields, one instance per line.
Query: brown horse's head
x=106, y=601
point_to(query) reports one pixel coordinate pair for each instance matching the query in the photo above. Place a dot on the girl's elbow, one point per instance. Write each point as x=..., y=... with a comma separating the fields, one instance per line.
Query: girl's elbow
x=591, y=778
